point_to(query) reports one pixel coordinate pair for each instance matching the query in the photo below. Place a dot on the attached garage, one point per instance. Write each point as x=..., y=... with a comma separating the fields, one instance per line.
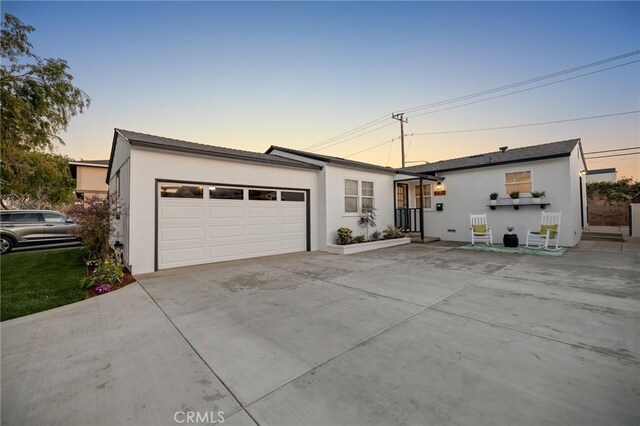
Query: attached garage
x=205, y=222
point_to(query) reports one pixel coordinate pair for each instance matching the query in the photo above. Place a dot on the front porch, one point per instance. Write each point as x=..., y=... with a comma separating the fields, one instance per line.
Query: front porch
x=414, y=196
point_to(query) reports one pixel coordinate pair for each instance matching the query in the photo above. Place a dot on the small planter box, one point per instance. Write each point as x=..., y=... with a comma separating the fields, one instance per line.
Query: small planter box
x=373, y=245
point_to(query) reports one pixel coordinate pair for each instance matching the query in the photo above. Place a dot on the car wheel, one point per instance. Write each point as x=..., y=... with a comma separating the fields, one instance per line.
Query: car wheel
x=6, y=244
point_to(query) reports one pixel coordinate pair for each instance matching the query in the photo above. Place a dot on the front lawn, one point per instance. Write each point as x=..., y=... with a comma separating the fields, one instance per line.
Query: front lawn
x=37, y=281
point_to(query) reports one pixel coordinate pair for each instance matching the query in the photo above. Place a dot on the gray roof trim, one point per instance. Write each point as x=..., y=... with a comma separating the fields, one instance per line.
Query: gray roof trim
x=498, y=158
x=177, y=145
x=601, y=171
x=333, y=160
x=92, y=163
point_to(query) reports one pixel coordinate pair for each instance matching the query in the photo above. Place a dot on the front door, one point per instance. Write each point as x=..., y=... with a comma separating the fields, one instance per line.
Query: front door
x=402, y=206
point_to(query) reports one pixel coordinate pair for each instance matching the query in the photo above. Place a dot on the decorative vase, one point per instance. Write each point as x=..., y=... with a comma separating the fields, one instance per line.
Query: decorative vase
x=516, y=201
x=493, y=202
x=536, y=200
x=510, y=240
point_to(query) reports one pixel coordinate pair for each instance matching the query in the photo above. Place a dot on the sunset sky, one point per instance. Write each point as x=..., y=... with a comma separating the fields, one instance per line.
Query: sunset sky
x=251, y=75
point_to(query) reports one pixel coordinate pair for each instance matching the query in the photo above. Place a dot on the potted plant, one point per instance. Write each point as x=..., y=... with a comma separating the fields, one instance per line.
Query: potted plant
x=510, y=239
x=493, y=198
x=345, y=235
x=515, y=197
x=537, y=196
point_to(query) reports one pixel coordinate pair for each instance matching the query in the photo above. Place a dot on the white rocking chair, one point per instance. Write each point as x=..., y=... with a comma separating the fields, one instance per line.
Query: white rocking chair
x=480, y=231
x=548, y=234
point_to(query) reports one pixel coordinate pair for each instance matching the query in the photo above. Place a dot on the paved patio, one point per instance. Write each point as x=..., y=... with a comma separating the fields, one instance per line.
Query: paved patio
x=418, y=334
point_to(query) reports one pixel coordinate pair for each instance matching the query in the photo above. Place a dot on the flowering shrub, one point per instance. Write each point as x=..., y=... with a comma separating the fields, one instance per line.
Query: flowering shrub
x=345, y=235
x=109, y=272
x=102, y=288
x=93, y=219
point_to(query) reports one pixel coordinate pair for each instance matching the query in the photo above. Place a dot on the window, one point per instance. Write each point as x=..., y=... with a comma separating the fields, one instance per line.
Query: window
x=256, y=194
x=53, y=218
x=350, y=196
x=401, y=197
x=518, y=181
x=25, y=217
x=180, y=191
x=426, y=195
x=291, y=196
x=367, y=194
x=226, y=193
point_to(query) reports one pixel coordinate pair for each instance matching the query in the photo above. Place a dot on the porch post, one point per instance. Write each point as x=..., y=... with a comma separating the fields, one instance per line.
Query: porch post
x=421, y=212
x=395, y=206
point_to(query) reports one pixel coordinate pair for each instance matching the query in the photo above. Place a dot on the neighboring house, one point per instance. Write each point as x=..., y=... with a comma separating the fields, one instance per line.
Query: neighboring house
x=90, y=176
x=602, y=175
x=184, y=203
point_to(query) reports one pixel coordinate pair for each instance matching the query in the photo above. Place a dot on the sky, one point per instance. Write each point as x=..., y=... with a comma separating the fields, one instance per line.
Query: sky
x=250, y=75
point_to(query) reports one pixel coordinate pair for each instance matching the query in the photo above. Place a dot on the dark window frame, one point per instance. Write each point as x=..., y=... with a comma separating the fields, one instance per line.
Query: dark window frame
x=212, y=191
x=252, y=194
x=295, y=195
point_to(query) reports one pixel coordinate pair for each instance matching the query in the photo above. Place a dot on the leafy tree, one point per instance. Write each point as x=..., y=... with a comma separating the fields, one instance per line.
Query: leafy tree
x=622, y=190
x=367, y=219
x=37, y=102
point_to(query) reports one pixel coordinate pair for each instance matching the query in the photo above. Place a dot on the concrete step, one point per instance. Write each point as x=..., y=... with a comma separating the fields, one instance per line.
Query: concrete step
x=602, y=236
x=415, y=238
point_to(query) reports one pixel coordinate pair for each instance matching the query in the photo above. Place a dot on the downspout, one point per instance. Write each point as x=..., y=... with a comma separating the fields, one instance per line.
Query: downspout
x=421, y=212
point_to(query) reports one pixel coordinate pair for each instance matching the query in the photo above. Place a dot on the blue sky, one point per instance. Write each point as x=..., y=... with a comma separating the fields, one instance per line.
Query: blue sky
x=249, y=75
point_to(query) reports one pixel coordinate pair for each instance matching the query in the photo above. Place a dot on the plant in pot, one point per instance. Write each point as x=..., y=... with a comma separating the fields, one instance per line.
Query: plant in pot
x=537, y=196
x=493, y=198
x=515, y=197
x=510, y=239
x=345, y=235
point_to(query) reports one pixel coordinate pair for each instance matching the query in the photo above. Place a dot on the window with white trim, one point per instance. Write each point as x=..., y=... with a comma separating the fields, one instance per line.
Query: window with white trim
x=518, y=181
x=426, y=195
x=358, y=193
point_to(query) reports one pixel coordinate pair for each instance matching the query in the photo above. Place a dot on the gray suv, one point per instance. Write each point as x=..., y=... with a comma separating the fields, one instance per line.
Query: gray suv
x=31, y=227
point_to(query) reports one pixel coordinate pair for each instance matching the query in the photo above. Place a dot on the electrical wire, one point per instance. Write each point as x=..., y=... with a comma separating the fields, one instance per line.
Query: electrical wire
x=613, y=155
x=612, y=150
x=375, y=146
x=341, y=135
x=353, y=137
x=485, y=129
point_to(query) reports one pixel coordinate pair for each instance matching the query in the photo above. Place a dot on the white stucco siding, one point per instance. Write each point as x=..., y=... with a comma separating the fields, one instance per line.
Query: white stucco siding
x=467, y=191
x=335, y=199
x=121, y=163
x=578, y=186
x=167, y=166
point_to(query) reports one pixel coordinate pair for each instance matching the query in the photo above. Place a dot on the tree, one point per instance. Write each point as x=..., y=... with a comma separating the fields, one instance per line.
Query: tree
x=367, y=219
x=37, y=102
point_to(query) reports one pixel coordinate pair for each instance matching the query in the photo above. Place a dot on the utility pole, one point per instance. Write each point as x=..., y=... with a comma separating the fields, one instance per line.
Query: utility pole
x=400, y=117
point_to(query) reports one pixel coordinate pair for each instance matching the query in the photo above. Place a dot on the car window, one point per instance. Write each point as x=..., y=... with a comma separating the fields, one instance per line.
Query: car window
x=53, y=218
x=25, y=217
x=5, y=217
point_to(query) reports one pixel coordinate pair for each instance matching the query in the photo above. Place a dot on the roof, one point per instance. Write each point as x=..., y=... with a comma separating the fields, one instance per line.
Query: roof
x=332, y=160
x=177, y=145
x=90, y=163
x=516, y=155
x=601, y=171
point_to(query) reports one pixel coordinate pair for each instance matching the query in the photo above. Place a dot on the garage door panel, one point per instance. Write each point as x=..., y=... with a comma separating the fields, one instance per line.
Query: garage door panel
x=182, y=212
x=222, y=231
x=192, y=232
x=226, y=212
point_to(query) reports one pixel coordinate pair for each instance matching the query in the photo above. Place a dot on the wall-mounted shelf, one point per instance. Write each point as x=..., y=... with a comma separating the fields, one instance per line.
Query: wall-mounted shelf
x=526, y=203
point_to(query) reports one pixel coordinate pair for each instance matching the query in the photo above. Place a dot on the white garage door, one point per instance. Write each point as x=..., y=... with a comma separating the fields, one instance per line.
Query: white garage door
x=205, y=223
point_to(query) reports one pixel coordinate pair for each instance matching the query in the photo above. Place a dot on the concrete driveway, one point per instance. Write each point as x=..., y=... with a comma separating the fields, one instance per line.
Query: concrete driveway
x=418, y=334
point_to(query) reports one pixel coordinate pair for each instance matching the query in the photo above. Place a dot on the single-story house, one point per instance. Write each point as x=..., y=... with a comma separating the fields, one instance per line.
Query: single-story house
x=90, y=178
x=184, y=203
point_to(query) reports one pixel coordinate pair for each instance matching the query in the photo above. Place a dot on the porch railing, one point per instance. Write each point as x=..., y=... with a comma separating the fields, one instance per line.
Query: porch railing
x=408, y=219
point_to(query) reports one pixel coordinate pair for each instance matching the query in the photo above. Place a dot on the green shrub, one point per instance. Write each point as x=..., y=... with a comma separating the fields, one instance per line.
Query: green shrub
x=622, y=190
x=493, y=196
x=93, y=219
x=514, y=195
x=358, y=239
x=108, y=272
x=376, y=236
x=392, y=232
x=538, y=194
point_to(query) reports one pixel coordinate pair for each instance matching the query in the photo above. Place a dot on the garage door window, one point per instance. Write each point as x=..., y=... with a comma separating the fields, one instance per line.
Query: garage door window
x=291, y=196
x=226, y=193
x=256, y=194
x=180, y=191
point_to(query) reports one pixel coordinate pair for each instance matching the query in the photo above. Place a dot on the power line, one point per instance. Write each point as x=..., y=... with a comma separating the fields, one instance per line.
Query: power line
x=525, y=82
x=613, y=155
x=375, y=146
x=526, y=125
x=352, y=137
x=612, y=150
x=341, y=135
x=525, y=90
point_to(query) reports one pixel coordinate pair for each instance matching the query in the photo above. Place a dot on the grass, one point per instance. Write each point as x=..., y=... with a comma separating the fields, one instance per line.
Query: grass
x=38, y=281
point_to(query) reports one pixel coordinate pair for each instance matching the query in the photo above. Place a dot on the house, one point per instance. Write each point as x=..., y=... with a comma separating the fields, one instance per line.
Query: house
x=602, y=175
x=184, y=203
x=90, y=176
